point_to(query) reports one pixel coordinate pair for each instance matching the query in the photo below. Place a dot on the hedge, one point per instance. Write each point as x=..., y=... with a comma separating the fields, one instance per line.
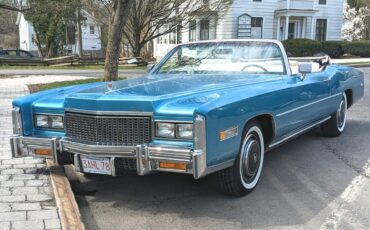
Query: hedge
x=357, y=48
x=302, y=47
x=333, y=48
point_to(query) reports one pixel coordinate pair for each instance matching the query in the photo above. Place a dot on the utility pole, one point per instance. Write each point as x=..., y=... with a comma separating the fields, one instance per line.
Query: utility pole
x=79, y=32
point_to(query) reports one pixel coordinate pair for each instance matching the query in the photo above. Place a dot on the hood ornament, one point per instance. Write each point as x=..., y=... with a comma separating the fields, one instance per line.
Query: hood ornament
x=110, y=86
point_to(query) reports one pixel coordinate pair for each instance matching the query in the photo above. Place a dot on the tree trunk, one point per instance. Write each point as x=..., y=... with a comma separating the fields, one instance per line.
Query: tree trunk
x=50, y=49
x=79, y=33
x=136, y=51
x=37, y=41
x=117, y=22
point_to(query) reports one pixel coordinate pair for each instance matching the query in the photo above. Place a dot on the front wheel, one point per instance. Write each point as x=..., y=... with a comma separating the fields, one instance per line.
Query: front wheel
x=243, y=176
x=335, y=126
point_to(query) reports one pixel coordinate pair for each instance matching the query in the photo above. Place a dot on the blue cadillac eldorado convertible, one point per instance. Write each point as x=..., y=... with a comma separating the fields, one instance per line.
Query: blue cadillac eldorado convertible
x=212, y=107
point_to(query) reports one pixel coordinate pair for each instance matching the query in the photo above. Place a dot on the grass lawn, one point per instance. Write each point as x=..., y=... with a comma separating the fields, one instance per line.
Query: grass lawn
x=40, y=87
x=82, y=67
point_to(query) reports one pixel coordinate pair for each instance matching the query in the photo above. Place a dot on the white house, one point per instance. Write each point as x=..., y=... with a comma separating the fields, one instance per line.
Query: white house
x=91, y=36
x=268, y=19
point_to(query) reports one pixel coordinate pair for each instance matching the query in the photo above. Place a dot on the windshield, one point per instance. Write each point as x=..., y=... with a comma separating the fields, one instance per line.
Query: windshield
x=252, y=57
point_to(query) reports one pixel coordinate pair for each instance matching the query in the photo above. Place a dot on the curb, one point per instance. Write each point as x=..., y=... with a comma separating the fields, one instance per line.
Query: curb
x=70, y=216
x=359, y=65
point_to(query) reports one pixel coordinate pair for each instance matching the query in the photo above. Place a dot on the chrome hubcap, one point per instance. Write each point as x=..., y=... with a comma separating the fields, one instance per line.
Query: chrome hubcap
x=251, y=157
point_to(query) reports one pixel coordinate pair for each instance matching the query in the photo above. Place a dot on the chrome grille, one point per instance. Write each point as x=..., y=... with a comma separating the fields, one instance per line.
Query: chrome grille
x=108, y=129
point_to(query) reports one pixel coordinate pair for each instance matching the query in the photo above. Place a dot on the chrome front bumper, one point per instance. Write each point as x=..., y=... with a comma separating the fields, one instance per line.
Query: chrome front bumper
x=147, y=157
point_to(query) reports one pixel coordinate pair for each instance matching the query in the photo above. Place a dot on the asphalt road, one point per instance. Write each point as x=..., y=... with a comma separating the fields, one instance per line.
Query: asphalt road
x=69, y=72
x=309, y=183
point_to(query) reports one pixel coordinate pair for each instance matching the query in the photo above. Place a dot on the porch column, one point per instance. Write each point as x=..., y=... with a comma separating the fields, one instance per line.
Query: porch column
x=278, y=28
x=304, y=22
x=286, y=28
x=312, y=28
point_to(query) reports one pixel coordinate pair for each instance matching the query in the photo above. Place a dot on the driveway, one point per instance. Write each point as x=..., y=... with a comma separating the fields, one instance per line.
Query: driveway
x=309, y=183
x=26, y=197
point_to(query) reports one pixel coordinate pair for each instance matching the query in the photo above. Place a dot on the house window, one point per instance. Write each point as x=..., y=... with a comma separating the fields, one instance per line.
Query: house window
x=179, y=34
x=257, y=26
x=92, y=29
x=204, y=30
x=322, y=2
x=192, y=31
x=321, y=26
x=71, y=35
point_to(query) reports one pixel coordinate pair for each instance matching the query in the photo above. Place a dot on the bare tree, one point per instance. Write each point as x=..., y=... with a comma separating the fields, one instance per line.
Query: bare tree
x=119, y=10
x=9, y=10
x=17, y=6
x=150, y=19
x=7, y=17
x=143, y=20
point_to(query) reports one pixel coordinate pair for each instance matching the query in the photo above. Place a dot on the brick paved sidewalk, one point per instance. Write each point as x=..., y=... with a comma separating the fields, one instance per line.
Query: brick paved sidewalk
x=26, y=198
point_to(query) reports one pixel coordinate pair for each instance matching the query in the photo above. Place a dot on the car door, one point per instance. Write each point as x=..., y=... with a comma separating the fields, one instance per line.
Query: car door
x=307, y=101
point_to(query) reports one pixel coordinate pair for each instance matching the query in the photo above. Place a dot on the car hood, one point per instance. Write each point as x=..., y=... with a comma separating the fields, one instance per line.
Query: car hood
x=177, y=94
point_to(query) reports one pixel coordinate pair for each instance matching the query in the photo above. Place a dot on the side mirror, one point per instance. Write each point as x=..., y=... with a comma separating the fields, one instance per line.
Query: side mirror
x=304, y=69
x=149, y=67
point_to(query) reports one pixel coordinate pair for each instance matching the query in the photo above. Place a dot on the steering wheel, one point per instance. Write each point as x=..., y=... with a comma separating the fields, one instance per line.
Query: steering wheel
x=254, y=65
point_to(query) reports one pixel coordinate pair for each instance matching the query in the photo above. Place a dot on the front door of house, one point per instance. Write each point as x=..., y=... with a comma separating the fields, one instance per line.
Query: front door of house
x=291, y=30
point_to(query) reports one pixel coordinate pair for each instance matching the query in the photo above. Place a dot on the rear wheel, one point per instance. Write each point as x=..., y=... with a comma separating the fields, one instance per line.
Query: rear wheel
x=243, y=176
x=336, y=125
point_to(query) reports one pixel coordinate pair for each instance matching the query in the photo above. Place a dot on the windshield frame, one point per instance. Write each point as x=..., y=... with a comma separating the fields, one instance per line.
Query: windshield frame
x=284, y=57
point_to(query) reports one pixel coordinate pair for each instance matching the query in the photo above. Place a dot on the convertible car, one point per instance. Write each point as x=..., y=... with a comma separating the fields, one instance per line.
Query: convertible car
x=212, y=107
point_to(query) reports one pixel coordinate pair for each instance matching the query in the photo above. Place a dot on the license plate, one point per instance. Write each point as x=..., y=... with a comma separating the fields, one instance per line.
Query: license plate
x=97, y=165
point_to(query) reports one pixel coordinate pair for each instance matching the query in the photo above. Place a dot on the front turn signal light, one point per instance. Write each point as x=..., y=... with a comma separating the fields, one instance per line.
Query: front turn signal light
x=176, y=166
x=43, y=152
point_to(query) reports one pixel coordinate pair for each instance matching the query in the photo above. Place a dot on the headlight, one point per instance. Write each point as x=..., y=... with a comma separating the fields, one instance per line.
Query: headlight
x=42, y=121
x=56, y=122
x=173, y=130
x=166, y=130
x=184, y=131
x=49, y=121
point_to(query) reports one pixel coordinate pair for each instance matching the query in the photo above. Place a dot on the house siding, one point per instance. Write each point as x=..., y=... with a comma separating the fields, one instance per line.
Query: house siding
x=303, y=12
x=264, y=9
x=91, y=42
x=333, y=12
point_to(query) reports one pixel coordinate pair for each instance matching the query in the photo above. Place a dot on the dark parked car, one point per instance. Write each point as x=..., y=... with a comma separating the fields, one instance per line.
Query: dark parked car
x=16, y=53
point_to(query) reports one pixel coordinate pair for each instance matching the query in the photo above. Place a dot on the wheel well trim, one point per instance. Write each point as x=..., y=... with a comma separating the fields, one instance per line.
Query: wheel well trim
x=255, y=117
x=349, y=95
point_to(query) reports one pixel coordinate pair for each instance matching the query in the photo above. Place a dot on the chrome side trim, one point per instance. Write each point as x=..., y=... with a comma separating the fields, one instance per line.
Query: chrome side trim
x=200, y=147
x=299, y=132
x=126, y=113
x=309, y=104
x=220, y=166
